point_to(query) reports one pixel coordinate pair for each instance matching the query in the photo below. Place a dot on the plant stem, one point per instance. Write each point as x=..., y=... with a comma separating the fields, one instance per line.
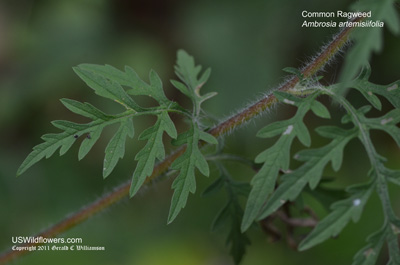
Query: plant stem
x=327, y=53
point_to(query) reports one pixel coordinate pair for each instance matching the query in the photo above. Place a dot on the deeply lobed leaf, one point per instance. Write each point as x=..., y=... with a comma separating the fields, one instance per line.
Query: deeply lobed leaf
x=277, y=157
x=185, y=182
x=188, y=73
x=116, y=147
x=106, y=88
x=154, y=149
x=231, y=214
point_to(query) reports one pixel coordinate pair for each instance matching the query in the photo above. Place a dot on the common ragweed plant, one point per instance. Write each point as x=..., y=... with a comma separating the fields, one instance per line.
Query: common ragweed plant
x=275, y=186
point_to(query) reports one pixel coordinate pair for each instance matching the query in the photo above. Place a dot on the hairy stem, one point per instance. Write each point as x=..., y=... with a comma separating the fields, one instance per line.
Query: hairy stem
x=326, y=54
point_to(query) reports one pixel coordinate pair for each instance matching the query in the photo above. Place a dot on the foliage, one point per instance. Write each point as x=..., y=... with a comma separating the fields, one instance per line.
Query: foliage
x=232, y=213
x=109, y=82
x=264, y=200
x=369, y=40
x=275, y=184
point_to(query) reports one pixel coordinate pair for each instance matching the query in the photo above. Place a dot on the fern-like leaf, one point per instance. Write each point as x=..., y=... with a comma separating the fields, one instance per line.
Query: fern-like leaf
x=369, y=40
x=71, y=131
x=192, y=158
x=186, y=164
x=154, y=149
x=107, y=82
x=231, y=214
x=370, y=253
x=311, y=171
x=188, y=73
x=129, y=78
x=277, y=157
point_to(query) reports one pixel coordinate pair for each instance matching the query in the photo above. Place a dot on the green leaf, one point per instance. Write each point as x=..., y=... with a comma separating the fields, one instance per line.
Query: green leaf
x=230, y=216
x=311, y=171
x=214, y=187
x=188, y=73
x=391, y=92
x=333, y=224
x=263, y=182
x=379, y=176
x=131, y=79
x=207, y=138
x=370, y=253
x=85, y=109
x=89, y=141
x=106, y=88
x=186, y=164
x=294, y=71
x=320, y=110
x=368, y=39
x=116, y=147
x=276, y=157
x=154, y=149
x=392, y=175
x=107, y=82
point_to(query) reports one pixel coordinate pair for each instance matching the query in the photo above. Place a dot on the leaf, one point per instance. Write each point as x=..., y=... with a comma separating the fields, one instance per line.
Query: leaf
x=379, y=175
x=131, y=79
x=392, y=175
x=72, y=131
x=333, y=224
x=154, y=149
x=276, y=157
x=320, y=110
x=188, y=73
x=186, y=164
x=107, y=82
x=391, y=92
x=214, y=187
x=236, y=238
x=116, y=147
x=230, y=216
x=106, y=88
x=311, y=171
x=386, y=123
x=325, y=195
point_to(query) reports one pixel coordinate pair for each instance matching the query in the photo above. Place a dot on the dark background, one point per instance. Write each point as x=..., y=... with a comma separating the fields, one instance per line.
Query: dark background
x=246, y=43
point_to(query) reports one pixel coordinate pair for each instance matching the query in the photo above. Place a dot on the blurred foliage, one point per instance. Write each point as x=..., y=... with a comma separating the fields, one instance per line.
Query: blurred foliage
x=246, y=43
